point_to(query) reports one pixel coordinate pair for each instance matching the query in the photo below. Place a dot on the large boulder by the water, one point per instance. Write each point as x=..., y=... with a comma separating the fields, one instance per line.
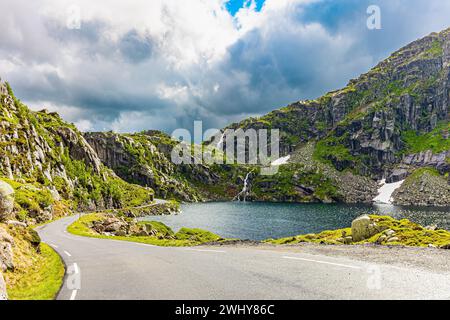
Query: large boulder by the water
x=363, y=228
x=6, y=200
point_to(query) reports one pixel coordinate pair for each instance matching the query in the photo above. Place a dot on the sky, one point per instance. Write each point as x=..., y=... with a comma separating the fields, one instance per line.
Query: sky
x=135, y=65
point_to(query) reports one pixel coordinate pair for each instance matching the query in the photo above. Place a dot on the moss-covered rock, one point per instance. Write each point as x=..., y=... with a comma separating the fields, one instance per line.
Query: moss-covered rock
x=364, y=227
x=389, y=231
x=150, y=232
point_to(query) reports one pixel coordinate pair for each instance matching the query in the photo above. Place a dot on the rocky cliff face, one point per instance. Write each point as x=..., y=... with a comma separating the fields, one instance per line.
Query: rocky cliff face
x=137, y=160
x=395, y=116
x=32, y=141
x=145, y=158
x=389, y=123
x=46, y=160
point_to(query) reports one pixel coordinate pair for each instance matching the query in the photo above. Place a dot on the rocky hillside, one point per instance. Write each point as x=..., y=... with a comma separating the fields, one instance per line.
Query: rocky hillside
x=145, y=159
x=48, y=168
x=385, y=124
x=137, y=159
x=391, y=123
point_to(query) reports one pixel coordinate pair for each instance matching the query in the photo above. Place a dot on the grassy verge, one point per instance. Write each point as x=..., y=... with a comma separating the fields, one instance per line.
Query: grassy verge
x=39, y=281
x=407, y=233
x=166, y=237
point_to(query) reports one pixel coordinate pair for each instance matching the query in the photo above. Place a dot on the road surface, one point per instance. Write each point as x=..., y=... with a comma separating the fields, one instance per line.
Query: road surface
x=110, y=269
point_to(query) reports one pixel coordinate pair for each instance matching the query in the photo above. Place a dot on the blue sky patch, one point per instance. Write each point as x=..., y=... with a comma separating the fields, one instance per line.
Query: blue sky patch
x=233, y=6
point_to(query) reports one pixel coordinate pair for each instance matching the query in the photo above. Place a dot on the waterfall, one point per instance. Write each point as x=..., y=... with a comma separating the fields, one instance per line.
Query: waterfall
x=245, y=189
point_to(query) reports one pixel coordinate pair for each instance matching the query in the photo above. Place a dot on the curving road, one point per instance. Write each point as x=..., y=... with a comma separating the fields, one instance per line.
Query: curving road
x=109, y=269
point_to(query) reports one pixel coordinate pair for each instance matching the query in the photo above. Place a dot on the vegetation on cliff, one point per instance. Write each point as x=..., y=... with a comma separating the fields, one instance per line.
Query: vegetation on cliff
x=438, y=140
x=52, y=168
x=398, y=109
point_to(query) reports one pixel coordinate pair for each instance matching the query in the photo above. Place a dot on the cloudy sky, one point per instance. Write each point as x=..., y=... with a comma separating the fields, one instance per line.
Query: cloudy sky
x=161, y=64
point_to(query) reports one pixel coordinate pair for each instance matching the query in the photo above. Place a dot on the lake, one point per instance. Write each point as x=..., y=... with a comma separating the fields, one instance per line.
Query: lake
x=259, y=220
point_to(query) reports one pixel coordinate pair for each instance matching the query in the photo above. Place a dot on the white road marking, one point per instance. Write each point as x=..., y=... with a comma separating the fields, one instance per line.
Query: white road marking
x=54, y=245
x=75, y=268
x=323, y=262
x=204, y=250
x=68, y=254
x=73, y=295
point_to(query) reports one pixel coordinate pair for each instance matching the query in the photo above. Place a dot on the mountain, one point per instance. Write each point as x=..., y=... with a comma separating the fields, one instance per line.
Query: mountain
x=386, y=124
x=145, y=158
x=49, y=168
x=390, y=123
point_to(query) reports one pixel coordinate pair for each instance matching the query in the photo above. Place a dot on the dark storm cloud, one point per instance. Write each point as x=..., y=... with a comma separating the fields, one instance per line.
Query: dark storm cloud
x=125, y=79
x=134, y=47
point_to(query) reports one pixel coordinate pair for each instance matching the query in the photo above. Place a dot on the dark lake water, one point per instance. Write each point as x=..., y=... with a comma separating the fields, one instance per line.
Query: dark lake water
x=258, y=221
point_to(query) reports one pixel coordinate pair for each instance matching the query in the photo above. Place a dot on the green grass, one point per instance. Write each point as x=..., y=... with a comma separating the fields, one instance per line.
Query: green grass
x=324, y=237
x=185, y=237
x=42, y=280
x=418, y=173
x=409, y=234
x=326, y=150
x=333, y=150
x=433, y=140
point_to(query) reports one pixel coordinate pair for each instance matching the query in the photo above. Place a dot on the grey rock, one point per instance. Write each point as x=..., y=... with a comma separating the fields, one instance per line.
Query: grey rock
x=426, y=189
x=120, y=233
x=6, y=256
x=3, y=293
x=142, y=233
x=381, y=239
x=5, y=236
x=397, y=175
x=348, y=240
x=160, y=175
x=16, y=223
x=429, y=159
x=363, y=228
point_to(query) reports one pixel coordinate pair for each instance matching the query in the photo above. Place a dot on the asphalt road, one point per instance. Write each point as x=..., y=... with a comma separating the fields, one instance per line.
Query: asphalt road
x=109, y=269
